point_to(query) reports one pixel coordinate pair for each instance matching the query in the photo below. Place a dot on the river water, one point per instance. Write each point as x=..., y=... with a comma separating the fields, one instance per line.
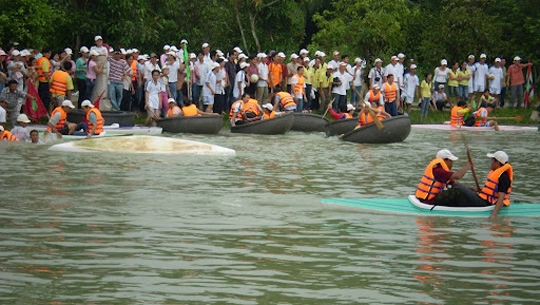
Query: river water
x=111, y=228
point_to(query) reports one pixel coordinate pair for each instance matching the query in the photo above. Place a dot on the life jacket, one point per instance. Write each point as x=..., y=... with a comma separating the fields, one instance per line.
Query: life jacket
x=170, y=112
x=299, y=87
x=134, y=70
x=390, y=92
x=62, y=121
x=374, y=98
x=347, y=115
x=42, y=76
x=252, y=106
x=429, y=188
x=380, y=114
x=456, y=118
x=190, y=110
x=480, y=112
x=238, y=116
x=285, y=100
x=364, y=119
x=99, y=121
x=491, y=188
x=8, y=136
x=59, y=82
x=270, y=115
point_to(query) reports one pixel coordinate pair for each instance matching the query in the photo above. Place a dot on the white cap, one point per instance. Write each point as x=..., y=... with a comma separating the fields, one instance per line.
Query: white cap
x=378, y=60
x=329, y=66
x=394, y=58
x=336, y=53
x=322, y=54
x=367, y=105
x=15, y=53
x=192, y=55
x=483, y=56
x=268, y=106
x=446, y=154
x=294, y=56
x=244, y=65
x=497, y=59
x=281, y=54
x=358, y=59
x=205, y=45
x=134, y=50
x=306, y=58
x=500, y=156
x=2, y=128
x=98, y=38
x=171, y=53
x=413, y=66
x=517, y=58
x=94, y=53
x=350, y=107
x=84, y=49
x=123, y=51
x=242, y=55
x=304, y=51
x=441, y=86
x=111, y=50
x=219, y=53
x=215, y=65
x=376, y=87
x=166, y=47
x=68, y=51
x=317, y=53
x=171, y=100
x=23, y=118
x=68, y=103
x=183, y=41
x=343, y=64
x=237, y=49
x=87, y=103
x=471, y=56
x=401, y=55
x=174, y=49
x=129, y=51
x=25, y=52
x=262, y=55
x=444, y=62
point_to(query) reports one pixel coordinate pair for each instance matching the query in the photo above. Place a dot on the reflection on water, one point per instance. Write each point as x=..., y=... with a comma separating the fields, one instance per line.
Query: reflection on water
x=114, y=228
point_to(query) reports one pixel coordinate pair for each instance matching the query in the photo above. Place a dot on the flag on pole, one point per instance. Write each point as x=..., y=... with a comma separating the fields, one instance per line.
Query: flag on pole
x=186, y=61
x=529, y=87
x=34, y=108
x=96, y=103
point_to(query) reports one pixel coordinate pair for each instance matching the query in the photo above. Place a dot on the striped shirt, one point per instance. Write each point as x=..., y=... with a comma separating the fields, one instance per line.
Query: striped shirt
x=117, y=68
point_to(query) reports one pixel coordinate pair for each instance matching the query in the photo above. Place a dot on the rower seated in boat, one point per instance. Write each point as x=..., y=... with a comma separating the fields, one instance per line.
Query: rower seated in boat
x=457, y=113
x=192, y=110
x=283, y=101
x=341, y=115
x=237, y=114
x=268, y=111
x=252, y=110
x=480, y=118
x=174, y=110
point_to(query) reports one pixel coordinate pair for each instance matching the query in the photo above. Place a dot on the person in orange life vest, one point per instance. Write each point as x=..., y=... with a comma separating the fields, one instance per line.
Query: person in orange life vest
x=298, y=85
x=252, y=110
x=380, y=113
x=481, y=116
x=437, y=175
x=61, y=84
x=93, y=121
x=457, y=113
x=268, y=111
x=191, y=109
x=6, y=135
x=283, y=100
x=498, y=186
x=58, y=122
x=341, y=115
x=174, y=110
x=374, y=96
x=391, y=95
x=237, y=115
x=364, y=117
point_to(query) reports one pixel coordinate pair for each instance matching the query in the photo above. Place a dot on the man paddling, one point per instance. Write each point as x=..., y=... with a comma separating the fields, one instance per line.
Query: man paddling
x=437, y=176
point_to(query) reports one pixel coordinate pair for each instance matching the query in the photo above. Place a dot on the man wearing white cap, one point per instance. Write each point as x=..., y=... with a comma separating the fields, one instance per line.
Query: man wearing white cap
x=335, y=61
x=292, y=67
x=20, y=130
x=58, y=123
x=240, y=81
x=437, y=176
x=472, y=68
x=16, y=69
x=480, y=77
x=515, y=81
x=496, y=79
x=262, y=83
x=14, y=98
x=163, y=57
x=94, y=122
x=81, y=67
x=391, y=68
x=440, y=75
x=357, y=72
x=400, y=68
x=339, y=87
x=206, y=52
x=410, y=87
x=209, y=88
x=376, y=74
x=99, y=47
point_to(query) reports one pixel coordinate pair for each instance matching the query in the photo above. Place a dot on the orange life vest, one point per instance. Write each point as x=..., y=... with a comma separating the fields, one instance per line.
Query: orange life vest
x=285, y=100
x=374, y=98
x=190, y=110
x=252, y=106
x=62, y=121
x=380, y=114
x=170, y=112
x=491, y=188
x=42, y=76
x=238, y=116
x=428, y=187
x=8, y=136
x=270, y=115
x=478, y=113
x=456, y=118
x=299, y=87
x=99, y=121
x=134, y=71
x=390, y=92
x=364, y=119
x=59, y=82
x=347, y=115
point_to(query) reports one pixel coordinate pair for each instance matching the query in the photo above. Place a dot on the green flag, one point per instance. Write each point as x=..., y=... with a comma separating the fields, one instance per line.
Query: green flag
x=186, y=61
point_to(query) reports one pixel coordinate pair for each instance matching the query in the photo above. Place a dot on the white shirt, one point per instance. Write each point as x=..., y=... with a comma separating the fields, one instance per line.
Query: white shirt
x=368, y=96
x=21, y=133
x=154, y=90
x=148, y=68
x=400, y=70
x=173, y=70
x=471, y=68
x=440, y=76
x=344, y=78
x=220, y=81
x=294, y=81
x=240, y=78
x=263, y=75
x=498, y=73
x=480, y=74
x=358, y=76
x=410, y=84
x=391, y=69
x=101, y=50
x=2, y=115
x=203, y=72
x=376, y=73
x=210, y=80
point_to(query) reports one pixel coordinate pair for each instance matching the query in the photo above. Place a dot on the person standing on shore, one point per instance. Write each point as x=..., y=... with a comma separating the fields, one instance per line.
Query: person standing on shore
x=515, y=81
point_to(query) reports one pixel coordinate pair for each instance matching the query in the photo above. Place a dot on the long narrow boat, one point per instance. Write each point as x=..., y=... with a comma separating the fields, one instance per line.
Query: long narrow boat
x=340, y=127
x=113, y=129
x=411, y=206
x=473, y=128
x=122, y=118
x=396, y=129
x=308, y=122
x=278, y=125
x=204, y=124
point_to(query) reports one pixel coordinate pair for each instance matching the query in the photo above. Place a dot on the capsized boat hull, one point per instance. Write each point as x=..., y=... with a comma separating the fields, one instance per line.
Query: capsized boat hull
x=203, y=124
x=278, y=125
x=308, y=122
x=396, y=129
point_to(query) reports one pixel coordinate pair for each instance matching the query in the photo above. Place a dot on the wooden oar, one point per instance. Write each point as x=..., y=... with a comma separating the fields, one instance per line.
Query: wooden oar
x=328, y=108
x=470, y=161
x=373, y=115
x=514, y=118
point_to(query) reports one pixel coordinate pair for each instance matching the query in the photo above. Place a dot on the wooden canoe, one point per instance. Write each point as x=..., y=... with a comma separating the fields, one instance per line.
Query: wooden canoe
x=278, y=125
x=340, y=127
x=122, y=118
x=308, y=122
x=203, y=124
x=396, y=129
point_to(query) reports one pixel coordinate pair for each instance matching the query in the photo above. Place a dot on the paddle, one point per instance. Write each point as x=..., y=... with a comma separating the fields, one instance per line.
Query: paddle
x=328, y=108
x=373, y=115
x=470, y=161
x=514, y=118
